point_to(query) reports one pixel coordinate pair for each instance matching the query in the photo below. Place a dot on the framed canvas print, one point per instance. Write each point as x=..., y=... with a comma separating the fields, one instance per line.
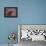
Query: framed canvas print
x=10, y=12
x=32, y=32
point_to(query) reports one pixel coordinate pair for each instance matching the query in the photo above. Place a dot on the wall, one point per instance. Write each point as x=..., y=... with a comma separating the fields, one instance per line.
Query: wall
x=29, y=12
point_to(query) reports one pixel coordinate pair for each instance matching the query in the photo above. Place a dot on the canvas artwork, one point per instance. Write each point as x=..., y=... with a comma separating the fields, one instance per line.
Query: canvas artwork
x=10, y=12
x=33, y=32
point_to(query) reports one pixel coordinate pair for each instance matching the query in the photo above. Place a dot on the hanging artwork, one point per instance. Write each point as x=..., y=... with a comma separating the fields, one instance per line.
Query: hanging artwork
x=10, y=12
x=32, y=32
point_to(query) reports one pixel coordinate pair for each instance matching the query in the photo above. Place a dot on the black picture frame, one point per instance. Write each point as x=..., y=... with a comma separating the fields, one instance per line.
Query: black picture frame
x=15, y=8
